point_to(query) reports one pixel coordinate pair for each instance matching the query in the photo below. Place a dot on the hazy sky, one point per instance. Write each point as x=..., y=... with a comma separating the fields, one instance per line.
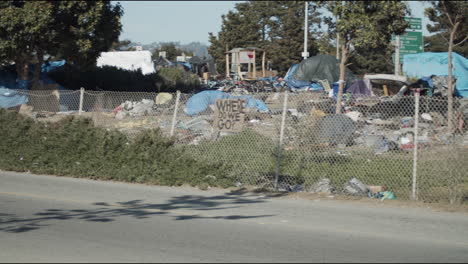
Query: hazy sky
x=187, y=21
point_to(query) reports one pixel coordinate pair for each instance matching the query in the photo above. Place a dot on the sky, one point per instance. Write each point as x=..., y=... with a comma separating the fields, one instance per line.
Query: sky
x=189, y=21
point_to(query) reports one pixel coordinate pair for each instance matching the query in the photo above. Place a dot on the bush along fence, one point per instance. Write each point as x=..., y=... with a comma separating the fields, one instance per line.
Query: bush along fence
x=388, y=148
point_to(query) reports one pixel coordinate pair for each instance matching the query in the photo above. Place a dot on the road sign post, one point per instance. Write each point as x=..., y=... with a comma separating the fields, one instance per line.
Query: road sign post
x=409, y=43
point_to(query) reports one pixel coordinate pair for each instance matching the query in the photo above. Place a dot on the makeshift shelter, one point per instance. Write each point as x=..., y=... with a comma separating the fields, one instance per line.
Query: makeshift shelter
x=128, y=60
x=162, y=62
x=9, y=83
x=242, y=56
x=322, y=67
x=204, y=65
x=436, y=63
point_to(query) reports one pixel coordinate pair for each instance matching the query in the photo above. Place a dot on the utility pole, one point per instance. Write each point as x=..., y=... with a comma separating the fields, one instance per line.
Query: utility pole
x=337, y=42
x=305, y=54
x=397, y=55
x=337, y=46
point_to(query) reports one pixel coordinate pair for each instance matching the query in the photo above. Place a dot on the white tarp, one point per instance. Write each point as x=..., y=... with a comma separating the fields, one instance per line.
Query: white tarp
x=128, y=60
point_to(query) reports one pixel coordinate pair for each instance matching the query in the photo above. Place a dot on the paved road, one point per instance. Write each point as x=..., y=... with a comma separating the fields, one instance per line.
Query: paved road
x=55, y=219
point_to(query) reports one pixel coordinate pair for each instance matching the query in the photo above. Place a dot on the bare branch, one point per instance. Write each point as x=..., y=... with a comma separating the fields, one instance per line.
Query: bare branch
x=447, y=13
x=442, y=35
x=454, y=45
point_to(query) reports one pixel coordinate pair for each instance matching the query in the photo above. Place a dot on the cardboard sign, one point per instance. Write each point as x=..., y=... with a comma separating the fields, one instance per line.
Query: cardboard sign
x=229, y=115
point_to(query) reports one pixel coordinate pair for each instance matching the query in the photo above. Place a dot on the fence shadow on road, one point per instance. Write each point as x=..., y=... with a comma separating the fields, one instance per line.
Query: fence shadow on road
x=180, y=208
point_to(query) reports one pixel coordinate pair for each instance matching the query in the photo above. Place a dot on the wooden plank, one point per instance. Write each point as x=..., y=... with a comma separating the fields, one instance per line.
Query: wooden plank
x=254, y=65
x=385, y=89
x=263, y=63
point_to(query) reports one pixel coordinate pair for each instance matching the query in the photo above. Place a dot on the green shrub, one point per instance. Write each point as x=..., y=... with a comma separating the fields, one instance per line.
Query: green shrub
x=109, y=78
x=74, y=147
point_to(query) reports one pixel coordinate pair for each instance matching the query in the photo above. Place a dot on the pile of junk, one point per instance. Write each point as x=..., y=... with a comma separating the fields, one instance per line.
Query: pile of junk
x=378, y=108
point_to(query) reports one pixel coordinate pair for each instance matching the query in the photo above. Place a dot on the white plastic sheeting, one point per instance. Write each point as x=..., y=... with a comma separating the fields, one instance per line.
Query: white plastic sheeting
x=128, y=60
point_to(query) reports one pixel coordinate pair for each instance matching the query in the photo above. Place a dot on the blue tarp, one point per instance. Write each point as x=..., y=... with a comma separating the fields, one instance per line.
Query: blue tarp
x=9, y=82
x=10, y=98
x=436, y=63
x=200, y=101
x=294, y=84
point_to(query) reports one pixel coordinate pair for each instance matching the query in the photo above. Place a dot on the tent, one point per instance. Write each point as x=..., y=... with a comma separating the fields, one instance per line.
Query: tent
x=436, y=63
x=322, y=67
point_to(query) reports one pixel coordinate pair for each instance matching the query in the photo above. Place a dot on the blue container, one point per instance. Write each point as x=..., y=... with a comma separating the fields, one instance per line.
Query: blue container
x=335, y=87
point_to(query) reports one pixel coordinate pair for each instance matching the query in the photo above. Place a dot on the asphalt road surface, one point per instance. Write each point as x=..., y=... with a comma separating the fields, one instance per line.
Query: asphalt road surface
x=58, y=219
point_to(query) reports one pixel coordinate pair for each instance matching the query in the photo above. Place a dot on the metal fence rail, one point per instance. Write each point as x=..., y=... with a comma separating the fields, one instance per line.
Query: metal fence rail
x=396, y=144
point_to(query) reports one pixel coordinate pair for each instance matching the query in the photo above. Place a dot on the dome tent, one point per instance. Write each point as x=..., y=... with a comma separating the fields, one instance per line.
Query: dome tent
x=322, y=67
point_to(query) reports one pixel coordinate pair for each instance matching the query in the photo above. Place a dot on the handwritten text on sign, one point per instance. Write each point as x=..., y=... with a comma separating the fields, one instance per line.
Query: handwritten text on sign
x=229, y=114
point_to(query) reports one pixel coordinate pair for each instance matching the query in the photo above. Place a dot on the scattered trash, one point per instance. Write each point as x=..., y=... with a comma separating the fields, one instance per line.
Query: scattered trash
x=322, y=186
x=427, y=117
x=199, y=123
x=354, y=115
x=27, y=110
x=407, y=122
x=374, y=189
x=356, y=187
x=134, y=109
x=163, y=98
x=387, y=195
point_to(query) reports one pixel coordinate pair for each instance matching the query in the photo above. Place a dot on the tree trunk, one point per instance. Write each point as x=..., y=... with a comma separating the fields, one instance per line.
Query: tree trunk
x=22, y=69
x=344, y=57
x=37, y=70
x=450, y=117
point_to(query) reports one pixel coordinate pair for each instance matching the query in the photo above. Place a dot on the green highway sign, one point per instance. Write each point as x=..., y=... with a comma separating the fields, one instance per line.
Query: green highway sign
x=412, y=41
x=415, y=23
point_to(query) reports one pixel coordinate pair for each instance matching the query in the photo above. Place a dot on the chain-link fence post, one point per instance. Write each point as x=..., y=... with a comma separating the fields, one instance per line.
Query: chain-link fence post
x=280, y=142
x=415, y=145
x=174, y=117
x=80, y=110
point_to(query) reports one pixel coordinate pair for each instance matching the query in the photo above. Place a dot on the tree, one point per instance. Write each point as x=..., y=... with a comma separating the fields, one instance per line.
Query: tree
x=372, y=60
x=275, y=26
x=438, y=43
x=449, y=17
x=363, y=24
x=74, y=30
x=121, y=45
x=172, y=51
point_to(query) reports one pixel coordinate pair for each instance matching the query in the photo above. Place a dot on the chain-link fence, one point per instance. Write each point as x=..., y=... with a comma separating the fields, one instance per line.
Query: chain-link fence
x=379, y=147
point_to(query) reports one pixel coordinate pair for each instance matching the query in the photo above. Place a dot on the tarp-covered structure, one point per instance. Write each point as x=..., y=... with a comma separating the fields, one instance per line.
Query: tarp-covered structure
x=201, y=65
x=322, y=67
x=436, y=63
x=9, y=83
x=128, y=60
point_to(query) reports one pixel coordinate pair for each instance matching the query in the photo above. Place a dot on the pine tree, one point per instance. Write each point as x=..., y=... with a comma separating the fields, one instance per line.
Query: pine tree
x=275, y=26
